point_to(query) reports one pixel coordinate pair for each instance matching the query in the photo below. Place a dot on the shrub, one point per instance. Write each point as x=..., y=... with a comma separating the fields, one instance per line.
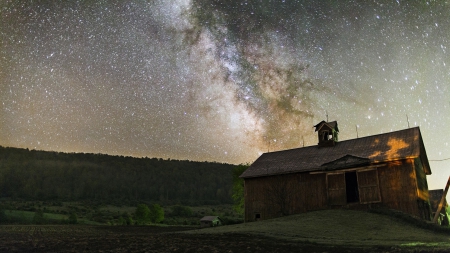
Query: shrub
x=142, y=214
x=156, y=214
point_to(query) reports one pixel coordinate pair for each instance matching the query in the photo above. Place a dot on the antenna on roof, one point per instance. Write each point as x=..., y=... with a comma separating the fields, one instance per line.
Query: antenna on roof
x=356, y=126
x=326, y=114
x=303, y=140
x=407, y=119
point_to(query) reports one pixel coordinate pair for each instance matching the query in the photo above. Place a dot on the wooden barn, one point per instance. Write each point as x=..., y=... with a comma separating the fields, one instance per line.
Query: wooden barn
x=386, y=170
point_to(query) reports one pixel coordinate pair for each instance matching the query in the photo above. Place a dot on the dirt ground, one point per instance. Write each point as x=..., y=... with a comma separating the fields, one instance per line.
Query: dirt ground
x=30, y=238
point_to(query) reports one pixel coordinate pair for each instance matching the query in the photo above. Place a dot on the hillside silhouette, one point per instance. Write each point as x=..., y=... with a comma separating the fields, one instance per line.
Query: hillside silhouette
x=43, y=175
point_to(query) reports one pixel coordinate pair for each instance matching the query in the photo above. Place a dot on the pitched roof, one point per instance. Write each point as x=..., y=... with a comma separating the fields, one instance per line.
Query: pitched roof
x=332, y=125
x=373, y=149
x=435, y=198
x=209, y=218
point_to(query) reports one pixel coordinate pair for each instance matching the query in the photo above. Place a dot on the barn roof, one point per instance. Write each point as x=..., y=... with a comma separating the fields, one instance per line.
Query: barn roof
x=359, y=152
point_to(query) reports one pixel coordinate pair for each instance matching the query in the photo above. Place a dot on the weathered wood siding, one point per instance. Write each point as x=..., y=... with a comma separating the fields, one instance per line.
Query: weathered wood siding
x=368, y=184
x=398, y=186
x=336, y=189
x=274, y=196
x=424, y=204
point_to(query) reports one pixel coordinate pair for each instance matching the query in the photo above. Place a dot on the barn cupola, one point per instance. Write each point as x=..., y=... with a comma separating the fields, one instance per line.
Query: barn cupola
x=327, y=133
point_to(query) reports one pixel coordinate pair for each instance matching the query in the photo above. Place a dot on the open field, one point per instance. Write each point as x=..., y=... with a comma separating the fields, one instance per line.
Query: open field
x=340, y=228
x=91, y=213
x=321, y=231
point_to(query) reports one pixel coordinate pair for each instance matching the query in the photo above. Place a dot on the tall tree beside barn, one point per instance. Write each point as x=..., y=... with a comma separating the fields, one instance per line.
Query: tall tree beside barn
x=238, y=188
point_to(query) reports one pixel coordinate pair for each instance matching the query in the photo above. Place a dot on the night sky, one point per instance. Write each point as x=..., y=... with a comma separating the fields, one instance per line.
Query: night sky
x=209, y=81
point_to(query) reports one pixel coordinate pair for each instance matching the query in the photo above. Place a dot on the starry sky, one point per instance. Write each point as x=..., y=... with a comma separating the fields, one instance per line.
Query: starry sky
x=225, y=81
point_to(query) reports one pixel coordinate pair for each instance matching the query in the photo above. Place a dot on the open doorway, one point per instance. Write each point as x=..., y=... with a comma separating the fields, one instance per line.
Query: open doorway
x=351, y=187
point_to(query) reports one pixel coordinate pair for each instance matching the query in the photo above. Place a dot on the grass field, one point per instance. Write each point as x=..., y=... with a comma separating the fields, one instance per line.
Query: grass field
x=90, y=213
x=27, y=217
x=341, y=227
x=338, y=231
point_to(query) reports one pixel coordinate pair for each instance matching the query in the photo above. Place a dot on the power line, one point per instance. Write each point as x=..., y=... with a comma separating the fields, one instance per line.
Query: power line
x=439, y=160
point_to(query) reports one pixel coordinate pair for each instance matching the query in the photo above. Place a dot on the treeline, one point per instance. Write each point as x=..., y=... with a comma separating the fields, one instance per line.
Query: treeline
x=41, y=175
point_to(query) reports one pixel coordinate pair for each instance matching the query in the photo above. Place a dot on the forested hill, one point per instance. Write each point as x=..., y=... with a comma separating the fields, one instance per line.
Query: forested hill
x=41, y=175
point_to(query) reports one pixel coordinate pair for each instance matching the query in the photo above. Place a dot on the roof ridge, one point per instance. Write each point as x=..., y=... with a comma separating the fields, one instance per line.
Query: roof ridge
x=379, y=148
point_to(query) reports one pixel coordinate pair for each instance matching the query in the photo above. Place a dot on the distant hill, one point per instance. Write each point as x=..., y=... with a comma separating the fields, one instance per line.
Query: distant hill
x=42, y=175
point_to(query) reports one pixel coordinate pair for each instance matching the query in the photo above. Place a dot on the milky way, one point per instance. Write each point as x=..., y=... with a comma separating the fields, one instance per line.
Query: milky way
x=221, y=80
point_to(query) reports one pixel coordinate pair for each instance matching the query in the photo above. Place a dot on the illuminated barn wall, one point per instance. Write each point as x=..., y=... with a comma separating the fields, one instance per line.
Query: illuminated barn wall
x=399, y=185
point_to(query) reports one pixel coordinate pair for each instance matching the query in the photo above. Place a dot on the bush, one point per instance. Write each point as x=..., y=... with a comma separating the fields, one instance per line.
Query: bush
x=156, y=214
x=142, y=214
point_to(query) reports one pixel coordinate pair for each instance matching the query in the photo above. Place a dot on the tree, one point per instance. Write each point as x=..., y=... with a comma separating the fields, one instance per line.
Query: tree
x=238, y=188
x=181, y=211
x=156, y=213
x=142, y=213
x=127, y=218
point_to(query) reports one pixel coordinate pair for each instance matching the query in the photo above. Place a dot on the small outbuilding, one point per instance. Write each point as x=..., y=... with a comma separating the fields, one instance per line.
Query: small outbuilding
x=210, y=221
x=435, y=199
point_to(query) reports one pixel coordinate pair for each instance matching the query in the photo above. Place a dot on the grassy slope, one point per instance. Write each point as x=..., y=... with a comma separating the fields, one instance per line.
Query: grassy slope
x=340, y=227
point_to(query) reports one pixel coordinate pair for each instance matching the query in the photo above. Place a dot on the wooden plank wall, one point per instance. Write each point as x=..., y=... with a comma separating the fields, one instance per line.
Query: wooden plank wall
x=422, y=190
x=303, y=192
x=398, y=187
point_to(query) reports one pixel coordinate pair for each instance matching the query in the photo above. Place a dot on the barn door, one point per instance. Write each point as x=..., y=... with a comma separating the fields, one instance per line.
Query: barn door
x=369, y=190
x=336, y=189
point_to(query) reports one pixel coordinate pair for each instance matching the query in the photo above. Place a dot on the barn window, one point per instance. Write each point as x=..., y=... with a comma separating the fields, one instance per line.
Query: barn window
x=257, y=216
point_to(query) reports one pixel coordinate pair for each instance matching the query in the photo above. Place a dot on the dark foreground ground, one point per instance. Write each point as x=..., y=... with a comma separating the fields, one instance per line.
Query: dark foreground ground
x=31, y=238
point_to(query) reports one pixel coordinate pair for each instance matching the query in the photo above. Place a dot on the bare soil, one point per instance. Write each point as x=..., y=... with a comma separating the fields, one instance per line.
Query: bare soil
x=65, y=238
